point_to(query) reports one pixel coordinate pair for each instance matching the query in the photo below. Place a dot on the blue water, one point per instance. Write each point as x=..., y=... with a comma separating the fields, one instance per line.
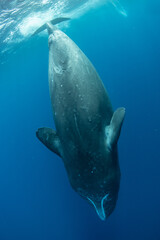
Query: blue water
x=36, y=199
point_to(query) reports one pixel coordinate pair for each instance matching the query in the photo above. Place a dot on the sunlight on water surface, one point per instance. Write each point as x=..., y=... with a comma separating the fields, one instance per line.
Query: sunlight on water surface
x=19, y=19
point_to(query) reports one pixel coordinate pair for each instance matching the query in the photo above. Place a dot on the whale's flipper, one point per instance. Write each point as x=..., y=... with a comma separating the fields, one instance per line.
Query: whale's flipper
x=53, y=22
x=113, y=130
x=50, y=139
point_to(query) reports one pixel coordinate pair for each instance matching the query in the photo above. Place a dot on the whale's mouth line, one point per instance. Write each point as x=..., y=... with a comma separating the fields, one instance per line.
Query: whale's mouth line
x=100, y=209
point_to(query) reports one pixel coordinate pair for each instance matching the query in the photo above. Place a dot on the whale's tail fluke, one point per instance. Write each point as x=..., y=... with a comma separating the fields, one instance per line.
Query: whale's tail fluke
x=53, y=22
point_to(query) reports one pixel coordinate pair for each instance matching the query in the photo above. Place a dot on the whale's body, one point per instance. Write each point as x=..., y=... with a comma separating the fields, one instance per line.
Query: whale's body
x=87, y=130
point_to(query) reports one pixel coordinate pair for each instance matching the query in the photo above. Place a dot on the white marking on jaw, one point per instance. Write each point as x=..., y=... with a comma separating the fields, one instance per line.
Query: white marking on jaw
x=100, y=211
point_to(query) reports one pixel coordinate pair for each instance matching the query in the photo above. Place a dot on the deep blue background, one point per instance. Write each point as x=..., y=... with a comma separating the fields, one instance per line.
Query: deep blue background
x=36, y=200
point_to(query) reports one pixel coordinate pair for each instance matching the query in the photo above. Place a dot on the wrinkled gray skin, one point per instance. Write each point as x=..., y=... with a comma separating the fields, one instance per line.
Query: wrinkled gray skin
x=86, y=128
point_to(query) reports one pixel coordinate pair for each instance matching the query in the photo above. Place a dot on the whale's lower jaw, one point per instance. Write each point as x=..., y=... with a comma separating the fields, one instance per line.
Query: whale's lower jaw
x=99, y=207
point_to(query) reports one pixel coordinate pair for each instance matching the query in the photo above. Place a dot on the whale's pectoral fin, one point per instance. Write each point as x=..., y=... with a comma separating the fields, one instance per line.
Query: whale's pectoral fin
x=50, y=139
x=114, y=129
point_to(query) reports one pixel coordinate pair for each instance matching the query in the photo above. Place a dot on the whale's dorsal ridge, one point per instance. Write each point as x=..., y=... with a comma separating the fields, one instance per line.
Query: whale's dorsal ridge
x=113, y=130
x=50, y=139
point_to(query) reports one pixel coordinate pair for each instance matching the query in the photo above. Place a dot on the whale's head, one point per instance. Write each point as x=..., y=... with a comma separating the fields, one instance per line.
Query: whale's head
x=98, y=182
x=101, y=189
